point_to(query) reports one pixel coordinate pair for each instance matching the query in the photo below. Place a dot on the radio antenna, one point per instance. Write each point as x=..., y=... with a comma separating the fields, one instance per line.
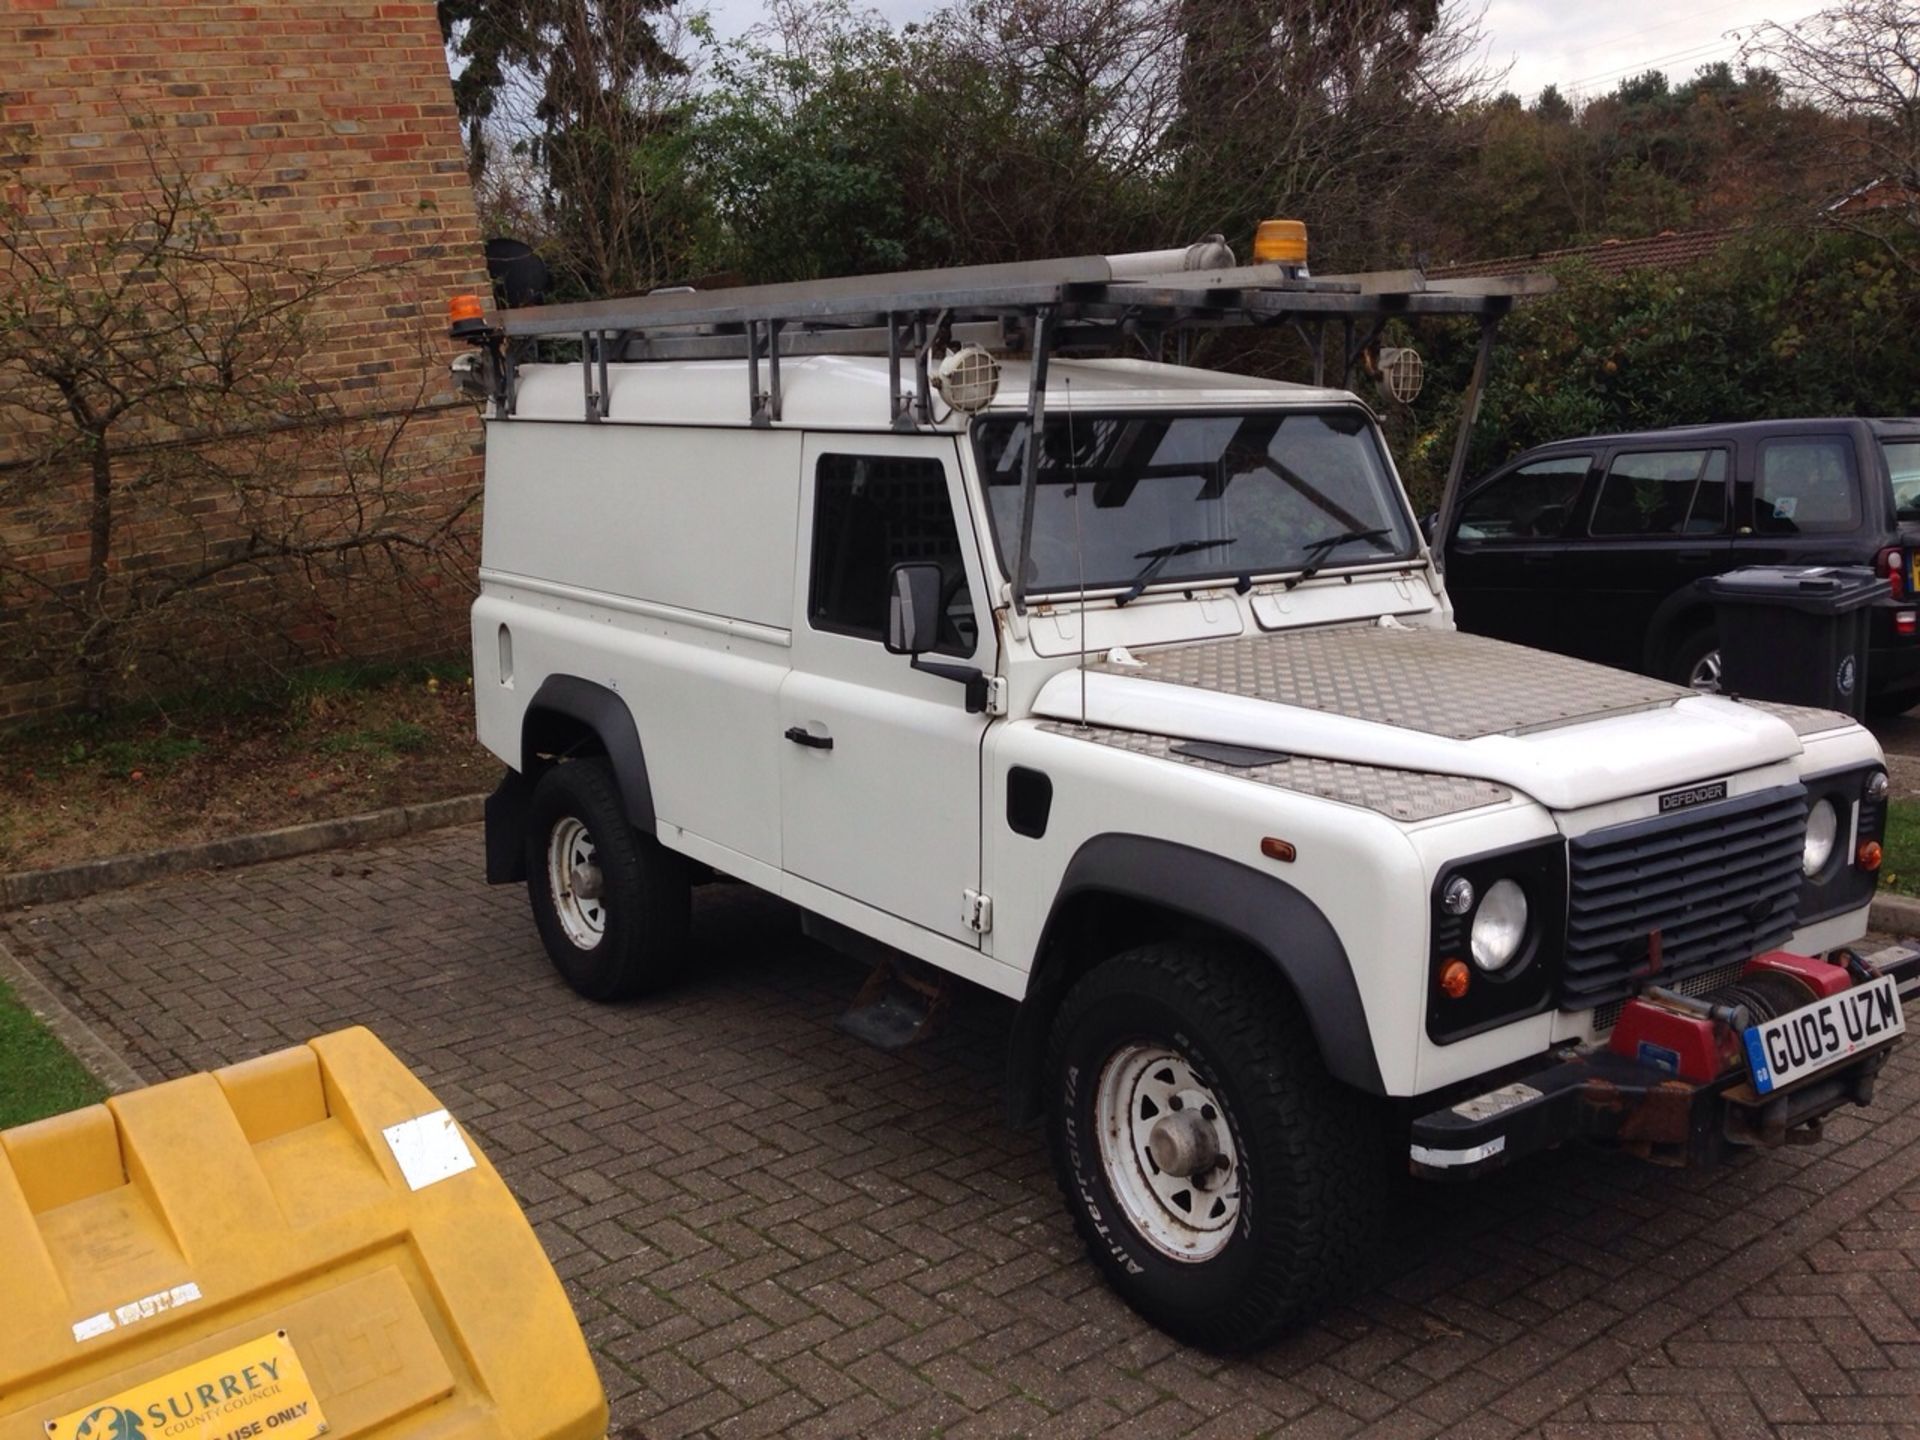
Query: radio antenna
x=1079, y=549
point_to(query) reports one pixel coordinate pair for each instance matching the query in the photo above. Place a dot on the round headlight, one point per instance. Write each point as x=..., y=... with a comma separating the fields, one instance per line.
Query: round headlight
x=1499, y=926
x=1822, y=827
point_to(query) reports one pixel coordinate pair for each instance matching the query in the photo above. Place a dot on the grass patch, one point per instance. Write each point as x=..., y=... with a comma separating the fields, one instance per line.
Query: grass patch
x=1901, y=871
x=400, y=738
x=334, y=740
x=37, y=1076
x=153, y=756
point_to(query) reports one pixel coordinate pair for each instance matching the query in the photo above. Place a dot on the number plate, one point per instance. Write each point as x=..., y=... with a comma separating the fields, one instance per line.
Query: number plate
x=1826, y=1033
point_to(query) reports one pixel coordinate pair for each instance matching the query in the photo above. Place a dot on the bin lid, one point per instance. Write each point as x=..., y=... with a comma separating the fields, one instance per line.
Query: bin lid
x=1819, y=589
x=299, y=1244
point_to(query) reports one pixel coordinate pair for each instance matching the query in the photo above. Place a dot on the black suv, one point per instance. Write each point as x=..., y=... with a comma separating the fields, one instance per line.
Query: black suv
x=1597, y=547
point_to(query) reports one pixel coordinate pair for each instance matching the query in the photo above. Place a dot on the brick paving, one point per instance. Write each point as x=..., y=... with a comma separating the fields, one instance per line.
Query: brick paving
x=770, y=1229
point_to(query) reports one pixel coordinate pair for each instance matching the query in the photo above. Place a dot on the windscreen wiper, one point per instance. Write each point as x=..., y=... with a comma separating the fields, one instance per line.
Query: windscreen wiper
x=1158, y=556
x=1319, y=550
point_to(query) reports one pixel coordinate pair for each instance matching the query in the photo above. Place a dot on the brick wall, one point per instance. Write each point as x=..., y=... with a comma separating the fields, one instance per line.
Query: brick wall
x=337, y=118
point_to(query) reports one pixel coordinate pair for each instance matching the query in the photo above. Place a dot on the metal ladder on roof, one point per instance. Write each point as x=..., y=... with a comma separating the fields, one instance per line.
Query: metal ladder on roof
x=1033, y=309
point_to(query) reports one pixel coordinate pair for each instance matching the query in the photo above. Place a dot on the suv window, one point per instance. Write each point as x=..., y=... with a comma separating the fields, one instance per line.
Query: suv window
x=1804, y=484
x=1663, y=492
x=870, y=513
x=1903, y=464
x=1530, y=503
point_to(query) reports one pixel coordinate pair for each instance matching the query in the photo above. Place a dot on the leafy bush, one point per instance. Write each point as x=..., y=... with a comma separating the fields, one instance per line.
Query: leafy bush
x=1779, y=324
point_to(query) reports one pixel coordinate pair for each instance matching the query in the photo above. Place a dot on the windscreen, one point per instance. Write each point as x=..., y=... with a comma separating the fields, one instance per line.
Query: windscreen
x=1195, y=496
x=1903, y=463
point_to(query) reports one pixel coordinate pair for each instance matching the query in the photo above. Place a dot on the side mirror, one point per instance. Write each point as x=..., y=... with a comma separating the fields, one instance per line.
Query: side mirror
x=913, y=607
x=1429, y=522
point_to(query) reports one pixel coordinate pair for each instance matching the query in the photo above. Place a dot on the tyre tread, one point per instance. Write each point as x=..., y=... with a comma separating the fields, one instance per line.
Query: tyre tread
x=1318, y=1138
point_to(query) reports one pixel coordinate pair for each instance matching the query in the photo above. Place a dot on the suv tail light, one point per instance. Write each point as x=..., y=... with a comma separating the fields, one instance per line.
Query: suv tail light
x=1892, y=563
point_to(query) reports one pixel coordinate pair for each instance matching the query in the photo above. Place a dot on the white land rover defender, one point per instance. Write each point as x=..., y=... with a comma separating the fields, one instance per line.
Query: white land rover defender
x=1129, y=690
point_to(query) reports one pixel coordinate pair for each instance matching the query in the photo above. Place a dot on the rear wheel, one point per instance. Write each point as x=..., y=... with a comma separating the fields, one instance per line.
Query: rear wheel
x=1696, y=660
x=611, y=905
x=1224, y=1182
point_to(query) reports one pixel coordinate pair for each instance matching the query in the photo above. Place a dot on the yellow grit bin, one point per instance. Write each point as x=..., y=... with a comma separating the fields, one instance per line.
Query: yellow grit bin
x=304, y=1244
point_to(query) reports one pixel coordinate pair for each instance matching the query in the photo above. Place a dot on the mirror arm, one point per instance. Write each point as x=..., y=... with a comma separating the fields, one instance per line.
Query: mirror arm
x=970, y=676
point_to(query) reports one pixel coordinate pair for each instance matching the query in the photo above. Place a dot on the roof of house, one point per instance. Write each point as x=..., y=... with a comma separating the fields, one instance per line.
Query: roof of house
x=1669, y=249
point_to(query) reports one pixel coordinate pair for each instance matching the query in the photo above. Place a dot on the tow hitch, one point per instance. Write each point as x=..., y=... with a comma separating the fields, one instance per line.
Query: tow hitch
x=1682, y=1079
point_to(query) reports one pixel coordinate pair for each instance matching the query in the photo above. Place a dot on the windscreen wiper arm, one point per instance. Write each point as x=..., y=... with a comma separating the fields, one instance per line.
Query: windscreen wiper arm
x=1157, y=557
x=1319, y=550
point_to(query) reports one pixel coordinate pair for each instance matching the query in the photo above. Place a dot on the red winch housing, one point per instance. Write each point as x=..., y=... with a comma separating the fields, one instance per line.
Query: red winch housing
x=1693, y=1044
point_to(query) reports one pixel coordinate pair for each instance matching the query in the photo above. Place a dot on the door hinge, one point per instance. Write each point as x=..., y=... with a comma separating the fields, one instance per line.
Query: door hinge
x=976, y=911
x=996, y=695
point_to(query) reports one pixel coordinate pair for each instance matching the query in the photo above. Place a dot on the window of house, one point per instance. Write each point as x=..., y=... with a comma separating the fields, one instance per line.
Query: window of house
x=1531, y=503
x=871, y=513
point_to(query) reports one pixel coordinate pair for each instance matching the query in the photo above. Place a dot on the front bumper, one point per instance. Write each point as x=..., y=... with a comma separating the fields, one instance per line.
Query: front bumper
x=1610, y=1099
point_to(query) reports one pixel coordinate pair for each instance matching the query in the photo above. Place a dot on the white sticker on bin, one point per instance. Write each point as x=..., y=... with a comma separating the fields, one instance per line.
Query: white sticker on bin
x=145, y=1308
x=429, y=1149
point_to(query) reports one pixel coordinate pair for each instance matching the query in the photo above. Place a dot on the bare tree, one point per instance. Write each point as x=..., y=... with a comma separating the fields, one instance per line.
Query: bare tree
x=1218, y=112
x=580, y=106
x=1860, y=61
x=171, y=376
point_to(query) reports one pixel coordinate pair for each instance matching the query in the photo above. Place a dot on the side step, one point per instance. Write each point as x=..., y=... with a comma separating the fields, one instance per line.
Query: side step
x=902, y=1003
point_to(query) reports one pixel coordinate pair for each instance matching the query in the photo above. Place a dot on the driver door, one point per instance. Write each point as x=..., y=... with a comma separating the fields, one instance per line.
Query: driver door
x=880, y=775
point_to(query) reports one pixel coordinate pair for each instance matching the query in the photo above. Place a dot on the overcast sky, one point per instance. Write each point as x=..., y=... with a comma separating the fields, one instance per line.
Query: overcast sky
x=1584, y=48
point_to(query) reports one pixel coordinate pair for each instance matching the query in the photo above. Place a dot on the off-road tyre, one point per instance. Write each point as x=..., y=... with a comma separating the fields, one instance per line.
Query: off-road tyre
x=646, y=891
x=1315, y=1163
x=1691, y=655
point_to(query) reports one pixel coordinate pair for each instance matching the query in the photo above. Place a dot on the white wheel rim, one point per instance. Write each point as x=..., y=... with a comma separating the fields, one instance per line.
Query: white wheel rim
x=1185, y=1217
x=1706, y=672
x=572, y=867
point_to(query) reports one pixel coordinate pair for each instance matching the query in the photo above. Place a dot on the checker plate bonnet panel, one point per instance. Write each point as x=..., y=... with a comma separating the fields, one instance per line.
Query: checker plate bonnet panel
x=1402, y=794
x=1440, y=682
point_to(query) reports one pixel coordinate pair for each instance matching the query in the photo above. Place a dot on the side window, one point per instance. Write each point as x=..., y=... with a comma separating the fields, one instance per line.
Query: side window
x=1663, y=492
x=1805, y=484
x=871, y=513
x=1531, y=503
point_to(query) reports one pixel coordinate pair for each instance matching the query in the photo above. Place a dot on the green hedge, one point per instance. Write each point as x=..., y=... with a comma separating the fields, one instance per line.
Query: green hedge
x=1777, y=324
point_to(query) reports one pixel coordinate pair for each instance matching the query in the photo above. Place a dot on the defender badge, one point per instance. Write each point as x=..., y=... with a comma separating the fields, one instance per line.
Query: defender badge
x=1693, y=795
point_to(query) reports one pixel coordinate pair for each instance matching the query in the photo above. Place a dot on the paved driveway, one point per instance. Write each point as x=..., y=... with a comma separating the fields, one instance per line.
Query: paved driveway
x=769, y=1229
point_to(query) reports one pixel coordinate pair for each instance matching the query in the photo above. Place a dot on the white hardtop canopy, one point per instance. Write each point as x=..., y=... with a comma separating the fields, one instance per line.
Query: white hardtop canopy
x=1032, y=315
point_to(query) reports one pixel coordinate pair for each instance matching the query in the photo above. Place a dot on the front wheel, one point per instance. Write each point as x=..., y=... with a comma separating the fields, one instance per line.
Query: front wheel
x=1220, y=1177
x=612, y=905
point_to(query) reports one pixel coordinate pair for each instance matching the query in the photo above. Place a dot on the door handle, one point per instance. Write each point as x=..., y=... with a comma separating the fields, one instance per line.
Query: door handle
x=800, y=736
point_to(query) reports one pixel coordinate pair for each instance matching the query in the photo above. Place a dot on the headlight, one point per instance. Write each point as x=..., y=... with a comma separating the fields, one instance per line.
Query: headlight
x=1823, y=825
x=1500, y=925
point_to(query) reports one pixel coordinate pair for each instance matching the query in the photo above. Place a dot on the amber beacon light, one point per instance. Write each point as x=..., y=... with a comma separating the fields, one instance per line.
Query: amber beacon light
x=465, y=314
x=1282, y=242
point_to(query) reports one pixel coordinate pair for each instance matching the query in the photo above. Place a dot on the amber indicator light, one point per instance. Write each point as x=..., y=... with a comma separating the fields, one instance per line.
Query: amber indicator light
x=1869, y=855
x=1454, y=979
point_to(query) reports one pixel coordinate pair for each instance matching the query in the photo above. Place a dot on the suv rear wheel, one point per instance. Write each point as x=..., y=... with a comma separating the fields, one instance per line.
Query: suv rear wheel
x=1218, y=1175
x=612, y=905
x=1696, y=660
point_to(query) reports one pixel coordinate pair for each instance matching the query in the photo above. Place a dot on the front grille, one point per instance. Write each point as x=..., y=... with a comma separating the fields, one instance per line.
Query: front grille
x=1720, y=884
x=1705, y=983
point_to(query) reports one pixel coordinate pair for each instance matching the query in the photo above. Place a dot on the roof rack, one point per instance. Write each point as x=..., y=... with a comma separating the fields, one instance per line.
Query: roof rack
x=1138, y=303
